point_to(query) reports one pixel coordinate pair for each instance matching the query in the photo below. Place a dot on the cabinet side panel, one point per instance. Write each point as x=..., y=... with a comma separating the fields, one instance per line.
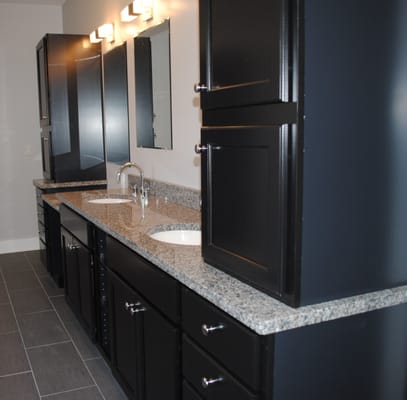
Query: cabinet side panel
x=354, y=214
x=359, y=357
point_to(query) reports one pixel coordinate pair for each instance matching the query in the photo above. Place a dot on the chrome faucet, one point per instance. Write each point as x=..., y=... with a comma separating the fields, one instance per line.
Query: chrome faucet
x=143, y=191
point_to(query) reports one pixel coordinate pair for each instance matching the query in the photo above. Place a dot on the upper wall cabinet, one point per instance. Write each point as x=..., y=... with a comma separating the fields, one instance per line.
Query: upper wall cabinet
x=116, y=105
x=70, y=108
x=244, y=66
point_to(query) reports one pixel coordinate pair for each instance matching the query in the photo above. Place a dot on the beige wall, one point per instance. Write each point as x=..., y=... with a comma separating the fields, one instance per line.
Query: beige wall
x=180, y=165
x=21, y=27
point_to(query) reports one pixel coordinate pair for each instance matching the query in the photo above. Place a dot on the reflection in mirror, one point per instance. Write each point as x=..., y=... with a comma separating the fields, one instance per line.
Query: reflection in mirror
x=116, y=112
x=153, y=87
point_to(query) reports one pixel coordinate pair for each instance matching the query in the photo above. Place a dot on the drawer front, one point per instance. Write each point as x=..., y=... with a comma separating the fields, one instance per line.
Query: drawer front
x=40, y=214
x=155, y=285
x=230, y=342
x=38, y=194
x=41, y=232
x=208, y=378
x=75, y=224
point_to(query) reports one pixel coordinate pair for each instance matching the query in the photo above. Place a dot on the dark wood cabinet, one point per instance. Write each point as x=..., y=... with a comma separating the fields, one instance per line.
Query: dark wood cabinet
x=70, y=108
x=244, y=185
x=49, y=228
x=116, y=109
x=245, y=53
x=188, y=348
x=79, y=268
x=145, y=345
x=53, y=243
x=319, y=210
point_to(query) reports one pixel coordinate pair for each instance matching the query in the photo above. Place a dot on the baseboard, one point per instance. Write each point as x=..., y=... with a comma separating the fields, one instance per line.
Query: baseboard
x=17, y=245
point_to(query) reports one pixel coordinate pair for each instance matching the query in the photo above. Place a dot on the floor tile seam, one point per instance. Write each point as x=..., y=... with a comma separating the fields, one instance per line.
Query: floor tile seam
x=27, y=289
x=56, y=296
x=48, y=344
x=29, y=261
x=92, y=359
x=35, y=312
x=9, y=332
x=21, y=336
x=67, y=391
x=72, y=341
x=80, y=355
x=16, y=373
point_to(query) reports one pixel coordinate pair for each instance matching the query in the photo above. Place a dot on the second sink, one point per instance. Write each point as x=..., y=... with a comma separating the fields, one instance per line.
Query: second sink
x=178, y=236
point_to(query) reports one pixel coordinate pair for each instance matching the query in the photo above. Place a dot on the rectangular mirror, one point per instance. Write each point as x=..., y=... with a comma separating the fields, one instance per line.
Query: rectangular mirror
x=116, y=112
x=153, y=87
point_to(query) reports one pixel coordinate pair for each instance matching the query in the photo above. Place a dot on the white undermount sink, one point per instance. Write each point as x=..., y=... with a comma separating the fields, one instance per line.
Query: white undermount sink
x=179, y=236
x=110, y=200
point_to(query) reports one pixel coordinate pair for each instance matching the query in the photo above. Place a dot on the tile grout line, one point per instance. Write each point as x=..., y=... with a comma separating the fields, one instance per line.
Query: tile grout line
x=39, y=346
x=67, y=391
x=17, y=373
x=8, y=333
x=68, y=333
x=19, y=331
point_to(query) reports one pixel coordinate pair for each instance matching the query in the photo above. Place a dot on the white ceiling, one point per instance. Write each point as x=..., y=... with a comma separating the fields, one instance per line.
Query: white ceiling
x=49, y=2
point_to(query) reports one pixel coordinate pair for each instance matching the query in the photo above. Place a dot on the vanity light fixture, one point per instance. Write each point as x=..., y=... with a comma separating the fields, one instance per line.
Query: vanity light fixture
x=94, y=38
x=105, y=31
x=137, y=8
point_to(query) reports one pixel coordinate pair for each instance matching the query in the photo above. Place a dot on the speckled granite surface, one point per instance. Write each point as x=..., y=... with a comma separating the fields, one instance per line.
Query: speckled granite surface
x=177, y=194
x=46, y=184
x=254, y=309
x=52, y=200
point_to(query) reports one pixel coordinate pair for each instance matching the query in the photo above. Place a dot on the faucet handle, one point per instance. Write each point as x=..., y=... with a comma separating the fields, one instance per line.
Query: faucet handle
x=134, y=188
x=146, y=189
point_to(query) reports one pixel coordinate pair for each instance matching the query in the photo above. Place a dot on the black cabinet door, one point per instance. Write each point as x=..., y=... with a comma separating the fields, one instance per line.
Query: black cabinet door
x=42, y=74
x=162, y=357
x=53, y=239
x=244, y=52
x=71, y=270
x=145, y=346
x=126, y=335
x=79, y=280
x=86, y=287
x=116, y=112
x=244, y=189
x=46, y=148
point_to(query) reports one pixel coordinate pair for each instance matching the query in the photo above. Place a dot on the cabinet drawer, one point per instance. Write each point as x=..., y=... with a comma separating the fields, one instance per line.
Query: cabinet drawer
x=40, y=214
x=232, y=344
x=155, y=285
x=208, y=378
x=75, y=224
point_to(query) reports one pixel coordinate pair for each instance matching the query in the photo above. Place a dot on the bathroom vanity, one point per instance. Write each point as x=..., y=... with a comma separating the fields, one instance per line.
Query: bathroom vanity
x=173, y=327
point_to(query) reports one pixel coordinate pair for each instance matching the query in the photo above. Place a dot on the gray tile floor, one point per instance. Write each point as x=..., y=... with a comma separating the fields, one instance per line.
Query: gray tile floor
x=44, y=352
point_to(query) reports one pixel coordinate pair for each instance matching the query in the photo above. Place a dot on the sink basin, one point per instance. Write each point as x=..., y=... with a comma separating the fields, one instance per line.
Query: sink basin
x=179, y=236
x=110, y=200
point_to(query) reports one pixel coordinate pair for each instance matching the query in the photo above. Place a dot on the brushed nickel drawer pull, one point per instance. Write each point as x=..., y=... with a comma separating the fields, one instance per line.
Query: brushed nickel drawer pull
x=206, y=382
x=137, y=310
x=207, y=329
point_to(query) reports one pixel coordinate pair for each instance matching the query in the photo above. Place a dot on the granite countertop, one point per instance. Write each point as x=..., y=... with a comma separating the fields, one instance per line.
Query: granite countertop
x=256, y=310
x=52, y=200
x=47, y=184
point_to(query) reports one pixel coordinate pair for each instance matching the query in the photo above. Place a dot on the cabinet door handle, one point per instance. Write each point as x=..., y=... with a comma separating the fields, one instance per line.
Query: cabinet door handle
x=207, y=329
x=206, y=382
x=200, y=148
x=73, y=247
x=128, y=305
x=200, y=87
x=134, y=311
